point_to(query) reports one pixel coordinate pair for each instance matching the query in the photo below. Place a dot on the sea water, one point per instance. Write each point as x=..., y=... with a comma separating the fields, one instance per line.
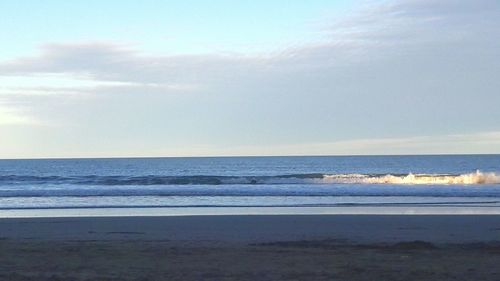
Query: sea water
x=249, y=183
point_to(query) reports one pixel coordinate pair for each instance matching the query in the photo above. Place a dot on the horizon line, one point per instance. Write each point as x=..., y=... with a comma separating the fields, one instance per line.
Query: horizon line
x=252, y=156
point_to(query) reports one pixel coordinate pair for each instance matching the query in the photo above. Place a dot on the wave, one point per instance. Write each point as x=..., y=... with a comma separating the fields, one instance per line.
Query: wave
x=414, y=179
x=373, y=204
x=159, y=180
x=476, y=178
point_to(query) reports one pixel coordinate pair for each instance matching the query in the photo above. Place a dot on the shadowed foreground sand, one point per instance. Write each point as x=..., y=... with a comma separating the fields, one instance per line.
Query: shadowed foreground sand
x=108, y=249
x=317, y=260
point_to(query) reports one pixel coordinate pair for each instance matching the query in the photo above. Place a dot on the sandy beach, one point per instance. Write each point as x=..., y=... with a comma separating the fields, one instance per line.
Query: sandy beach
x=250, y=140
x=338, y=247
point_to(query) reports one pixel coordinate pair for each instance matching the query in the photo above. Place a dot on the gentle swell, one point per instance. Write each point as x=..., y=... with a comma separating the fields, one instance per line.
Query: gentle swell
x=476, y=178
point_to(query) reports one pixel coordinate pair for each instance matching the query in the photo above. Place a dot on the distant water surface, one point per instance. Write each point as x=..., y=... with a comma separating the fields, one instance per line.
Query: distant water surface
x=451, y=180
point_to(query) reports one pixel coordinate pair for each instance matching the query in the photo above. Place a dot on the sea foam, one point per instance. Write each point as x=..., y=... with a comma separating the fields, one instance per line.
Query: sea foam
x=428, y=179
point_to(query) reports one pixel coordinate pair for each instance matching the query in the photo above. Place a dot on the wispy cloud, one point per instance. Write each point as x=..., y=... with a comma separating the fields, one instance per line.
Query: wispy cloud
x=111, y=62
x=475, y=143
x=399, y=27
x=395, y=68
x=11, y=116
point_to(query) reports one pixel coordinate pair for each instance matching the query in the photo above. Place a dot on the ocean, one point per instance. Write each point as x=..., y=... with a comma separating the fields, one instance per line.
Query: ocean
x=248, y=183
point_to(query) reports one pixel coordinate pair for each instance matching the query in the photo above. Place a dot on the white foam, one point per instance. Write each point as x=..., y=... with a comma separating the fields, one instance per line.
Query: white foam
x=472, y=178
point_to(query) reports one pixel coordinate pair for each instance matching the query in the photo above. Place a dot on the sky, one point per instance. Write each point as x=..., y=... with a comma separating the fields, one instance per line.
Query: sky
x=223, y=78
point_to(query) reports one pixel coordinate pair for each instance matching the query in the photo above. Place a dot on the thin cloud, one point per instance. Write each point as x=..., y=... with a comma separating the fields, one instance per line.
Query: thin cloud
x=111, y=62
x=405, y=27
x=397, y=68
x=475, y=143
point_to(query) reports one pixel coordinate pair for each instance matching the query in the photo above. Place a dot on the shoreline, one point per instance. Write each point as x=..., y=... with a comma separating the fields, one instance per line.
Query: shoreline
x=246, y=211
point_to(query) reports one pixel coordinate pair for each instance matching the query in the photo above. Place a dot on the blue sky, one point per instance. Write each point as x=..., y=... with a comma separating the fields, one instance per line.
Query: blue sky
x=198, y=78
x=166, y=26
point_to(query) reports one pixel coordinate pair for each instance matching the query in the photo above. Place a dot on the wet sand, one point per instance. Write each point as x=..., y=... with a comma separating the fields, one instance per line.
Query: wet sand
x=341, y=247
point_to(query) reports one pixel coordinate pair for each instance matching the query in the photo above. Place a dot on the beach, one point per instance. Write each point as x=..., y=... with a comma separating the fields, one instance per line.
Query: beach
x=250, y=140
x=264, y=247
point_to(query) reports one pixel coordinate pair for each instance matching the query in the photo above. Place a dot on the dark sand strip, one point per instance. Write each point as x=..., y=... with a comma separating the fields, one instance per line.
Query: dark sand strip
x=251, y=248
x=250, y=229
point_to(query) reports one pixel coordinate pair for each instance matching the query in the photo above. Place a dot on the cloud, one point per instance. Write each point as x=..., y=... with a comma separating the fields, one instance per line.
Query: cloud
x=379, y=30
x=475, y=143
x=394, y=69
x=110, y=62
x=13, y=116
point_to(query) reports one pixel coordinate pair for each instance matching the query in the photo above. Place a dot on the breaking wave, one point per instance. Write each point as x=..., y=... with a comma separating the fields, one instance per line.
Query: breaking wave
x=472, y=178
x=475, y=178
